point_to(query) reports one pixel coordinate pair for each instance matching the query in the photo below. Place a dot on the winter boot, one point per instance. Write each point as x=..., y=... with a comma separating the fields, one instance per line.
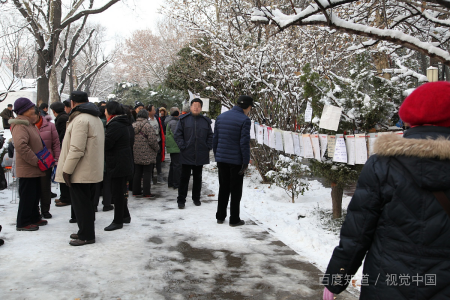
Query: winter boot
x=160, y=179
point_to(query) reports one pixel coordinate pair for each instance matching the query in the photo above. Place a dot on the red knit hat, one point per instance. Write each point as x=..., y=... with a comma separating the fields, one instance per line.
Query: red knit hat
x=429, y=104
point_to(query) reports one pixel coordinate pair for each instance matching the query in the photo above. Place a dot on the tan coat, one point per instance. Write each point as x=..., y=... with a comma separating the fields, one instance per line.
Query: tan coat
x=82, y=153
x=27, y=143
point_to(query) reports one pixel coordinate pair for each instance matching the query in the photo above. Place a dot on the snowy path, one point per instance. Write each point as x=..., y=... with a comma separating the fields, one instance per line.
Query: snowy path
x=165, y=253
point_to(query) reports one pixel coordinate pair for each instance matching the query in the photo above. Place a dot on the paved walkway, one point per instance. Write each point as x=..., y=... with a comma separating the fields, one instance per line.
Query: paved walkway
x=165, y=253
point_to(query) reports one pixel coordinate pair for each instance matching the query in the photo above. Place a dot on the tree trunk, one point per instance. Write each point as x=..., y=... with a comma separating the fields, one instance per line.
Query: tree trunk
x=42, y=81
x=53, y=87
x=336, y=197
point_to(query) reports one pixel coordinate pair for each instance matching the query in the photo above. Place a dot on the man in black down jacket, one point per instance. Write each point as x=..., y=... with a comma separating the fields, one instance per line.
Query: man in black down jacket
x=61, y=118
x=194, y=138
x=394, y=219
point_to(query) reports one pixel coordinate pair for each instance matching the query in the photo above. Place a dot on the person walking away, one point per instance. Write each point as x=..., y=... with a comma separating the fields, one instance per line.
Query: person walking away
x=80, y=164
x=172, y=148
x=145, y=150
x=194, y=138
x=50, y=137
x=157, y=125
x=27, y=142
x=61, y=118
x=398, y=220
x=43, y=109
x=7, y=114
x=231, y=147
x=119, y=160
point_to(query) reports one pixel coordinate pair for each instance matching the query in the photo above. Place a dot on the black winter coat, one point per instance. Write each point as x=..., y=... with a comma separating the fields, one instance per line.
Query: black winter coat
x=60, y=124
x=194, y=138
x=395, y=221
x=118, y=147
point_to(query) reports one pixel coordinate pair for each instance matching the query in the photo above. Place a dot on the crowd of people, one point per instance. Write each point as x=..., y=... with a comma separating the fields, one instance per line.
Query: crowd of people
x=112, y=150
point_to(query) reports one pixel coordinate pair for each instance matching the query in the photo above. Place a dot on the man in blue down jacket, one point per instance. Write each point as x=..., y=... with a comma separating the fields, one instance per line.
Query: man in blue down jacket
x=231, y=146
x=194, y=138
x=396, y=219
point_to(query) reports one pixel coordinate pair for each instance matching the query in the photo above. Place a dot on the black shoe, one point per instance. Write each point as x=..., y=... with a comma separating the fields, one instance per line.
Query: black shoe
x=1, y=242
x=197, y=203
x=240, y=223
x=54, y=195
x=72, y=220
x=181, y=205
x=127, y=220
x=108, y=207
x=113, y=226
x=47, y=215
x=219, y=221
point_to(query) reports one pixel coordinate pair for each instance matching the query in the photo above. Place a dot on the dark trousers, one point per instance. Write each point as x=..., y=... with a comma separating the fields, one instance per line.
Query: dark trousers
x=158, y=158
x=65, y=193
x=29, y=194
x=230, y=182
x=82, y=195
x=184, y=182
x=142, y=173
x=174, y=170
x=46, y=197
x=119, y=189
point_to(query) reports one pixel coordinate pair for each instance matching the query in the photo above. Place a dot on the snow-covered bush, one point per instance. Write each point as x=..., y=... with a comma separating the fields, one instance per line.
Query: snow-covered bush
x=291, y=175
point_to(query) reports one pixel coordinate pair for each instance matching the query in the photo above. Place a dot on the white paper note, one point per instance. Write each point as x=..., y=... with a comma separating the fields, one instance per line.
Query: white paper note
x=340, y=151
x=331, y=116
x=307, y=146
x=252, y=131
x=316, y=146
x=302, y=148
x=288, y=142
x=260, y=134
x=350, y=143
x=372, y=138
x=331, y=144
x=360, y=149
x=323, y=138
x=297, y=148
x=271, y=137
x=308, y=113
x=278, y=140
x=265, y=135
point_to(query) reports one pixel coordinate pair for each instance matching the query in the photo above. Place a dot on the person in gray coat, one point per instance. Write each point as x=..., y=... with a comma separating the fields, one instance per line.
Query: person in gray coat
x=194, y=137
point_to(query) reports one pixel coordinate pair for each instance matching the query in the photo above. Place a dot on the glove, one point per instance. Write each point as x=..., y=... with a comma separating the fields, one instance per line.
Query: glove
x=243, y=169
x=67, y=179
x=327, y=295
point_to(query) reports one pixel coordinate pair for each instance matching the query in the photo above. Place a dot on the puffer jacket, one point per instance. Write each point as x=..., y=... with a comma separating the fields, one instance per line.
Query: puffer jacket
x=118, y=151
x=395, y=221
x=145, y=146
x=82, y=153
x=194, y=138
x=171, y=145
x=49, y=135
x=231, y=141
x=27, y=142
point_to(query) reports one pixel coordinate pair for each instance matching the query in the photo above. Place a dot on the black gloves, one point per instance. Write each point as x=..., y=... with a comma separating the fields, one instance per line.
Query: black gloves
x=243, y=169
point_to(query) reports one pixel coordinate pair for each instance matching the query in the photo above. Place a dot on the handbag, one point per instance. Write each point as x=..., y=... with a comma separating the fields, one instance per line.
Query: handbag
x=46, y=160
x=54, y=175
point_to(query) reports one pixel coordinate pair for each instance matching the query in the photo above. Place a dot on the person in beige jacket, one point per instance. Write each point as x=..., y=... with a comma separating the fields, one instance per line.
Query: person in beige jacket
x=81, y=162
x=27, y=142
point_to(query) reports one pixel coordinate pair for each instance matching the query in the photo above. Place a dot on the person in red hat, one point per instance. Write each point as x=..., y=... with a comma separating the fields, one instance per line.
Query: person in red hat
x=398, y=221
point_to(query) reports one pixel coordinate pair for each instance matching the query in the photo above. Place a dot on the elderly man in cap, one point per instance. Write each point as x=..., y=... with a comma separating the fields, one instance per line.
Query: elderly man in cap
x=231, y=146
x=193, y=136
x=81, y=162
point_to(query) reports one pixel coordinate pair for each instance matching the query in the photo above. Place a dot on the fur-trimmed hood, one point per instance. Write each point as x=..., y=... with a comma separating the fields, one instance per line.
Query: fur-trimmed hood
x=19, y=122
x=395, y=145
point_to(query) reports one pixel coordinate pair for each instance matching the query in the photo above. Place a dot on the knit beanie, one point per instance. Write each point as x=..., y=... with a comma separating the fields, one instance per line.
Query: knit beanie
x=58, y=107
x=429, y=104
x=21, y=105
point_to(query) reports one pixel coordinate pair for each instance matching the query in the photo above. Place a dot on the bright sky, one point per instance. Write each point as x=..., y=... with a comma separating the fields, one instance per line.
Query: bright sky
x=127, y=16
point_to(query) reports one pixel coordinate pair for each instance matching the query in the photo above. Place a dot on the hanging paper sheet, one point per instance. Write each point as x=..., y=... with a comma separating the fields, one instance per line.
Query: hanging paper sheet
x=308, y=113
x=288, y=142
x=331, y=116
x=307, y=146
x=278, y=140
x=323, y=138
x=340, y=151
x=297, y=148
x=360, y=149
x=252, y=131
x=331, y=143
x=372, y=139
x=271, y=137
x=316, y=146
x=260, y=135
x=350, y=143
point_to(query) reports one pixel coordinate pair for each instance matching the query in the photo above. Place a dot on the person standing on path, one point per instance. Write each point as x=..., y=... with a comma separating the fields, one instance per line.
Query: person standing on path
x=145, y=150
x=158, y=126
x=27, y=142
x=6, y=115
x=194, y=138
x=231, y=146
x=119, y=160
x=81, y=163
x=172, y=148
x=43, y=109
x=50, y=137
